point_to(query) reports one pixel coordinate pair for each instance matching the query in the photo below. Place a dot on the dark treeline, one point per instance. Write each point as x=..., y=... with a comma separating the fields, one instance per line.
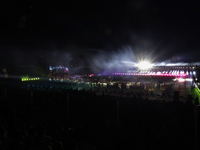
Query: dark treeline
x=70, y=119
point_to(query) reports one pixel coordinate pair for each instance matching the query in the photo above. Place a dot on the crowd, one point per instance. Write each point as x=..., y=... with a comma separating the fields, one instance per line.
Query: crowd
x=32, y=119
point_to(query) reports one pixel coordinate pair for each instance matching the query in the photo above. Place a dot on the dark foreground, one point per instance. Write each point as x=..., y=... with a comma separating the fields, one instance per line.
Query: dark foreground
x=32, y=119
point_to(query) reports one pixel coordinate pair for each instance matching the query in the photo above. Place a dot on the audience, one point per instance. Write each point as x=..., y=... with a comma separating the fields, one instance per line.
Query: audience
x=49, y=120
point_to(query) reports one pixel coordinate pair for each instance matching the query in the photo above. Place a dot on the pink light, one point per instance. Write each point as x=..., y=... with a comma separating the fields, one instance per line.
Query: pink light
x=149, y=74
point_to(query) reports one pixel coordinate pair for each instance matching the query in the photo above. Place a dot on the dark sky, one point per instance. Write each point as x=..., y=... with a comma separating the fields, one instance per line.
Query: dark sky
x=169, y=27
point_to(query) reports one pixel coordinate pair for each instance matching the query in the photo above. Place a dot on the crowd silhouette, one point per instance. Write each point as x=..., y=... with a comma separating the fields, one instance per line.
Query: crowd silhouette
x=64, y=119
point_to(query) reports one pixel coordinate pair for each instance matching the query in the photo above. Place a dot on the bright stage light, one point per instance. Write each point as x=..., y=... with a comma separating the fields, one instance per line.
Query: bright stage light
x=188, y=79
x=143, y=65
x=181, y=80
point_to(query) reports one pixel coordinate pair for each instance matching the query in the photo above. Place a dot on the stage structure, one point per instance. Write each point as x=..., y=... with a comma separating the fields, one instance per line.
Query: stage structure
x=58, y=72
x=180, y=70
x=58, y=68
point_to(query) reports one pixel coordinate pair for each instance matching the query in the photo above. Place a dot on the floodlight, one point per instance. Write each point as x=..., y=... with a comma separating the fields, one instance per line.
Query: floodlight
x=144, y=65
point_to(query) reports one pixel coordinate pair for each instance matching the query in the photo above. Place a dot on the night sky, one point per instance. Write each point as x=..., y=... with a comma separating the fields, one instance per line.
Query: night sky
x=167, y=28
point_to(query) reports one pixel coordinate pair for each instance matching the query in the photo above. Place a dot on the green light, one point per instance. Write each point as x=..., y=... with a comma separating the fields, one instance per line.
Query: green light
x=195, y=93
x=24, y=78
x=28, y=79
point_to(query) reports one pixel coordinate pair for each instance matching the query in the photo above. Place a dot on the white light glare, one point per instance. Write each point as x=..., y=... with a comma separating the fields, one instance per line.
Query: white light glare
x=181, y=80
x=144, y=65
x=188, y=79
